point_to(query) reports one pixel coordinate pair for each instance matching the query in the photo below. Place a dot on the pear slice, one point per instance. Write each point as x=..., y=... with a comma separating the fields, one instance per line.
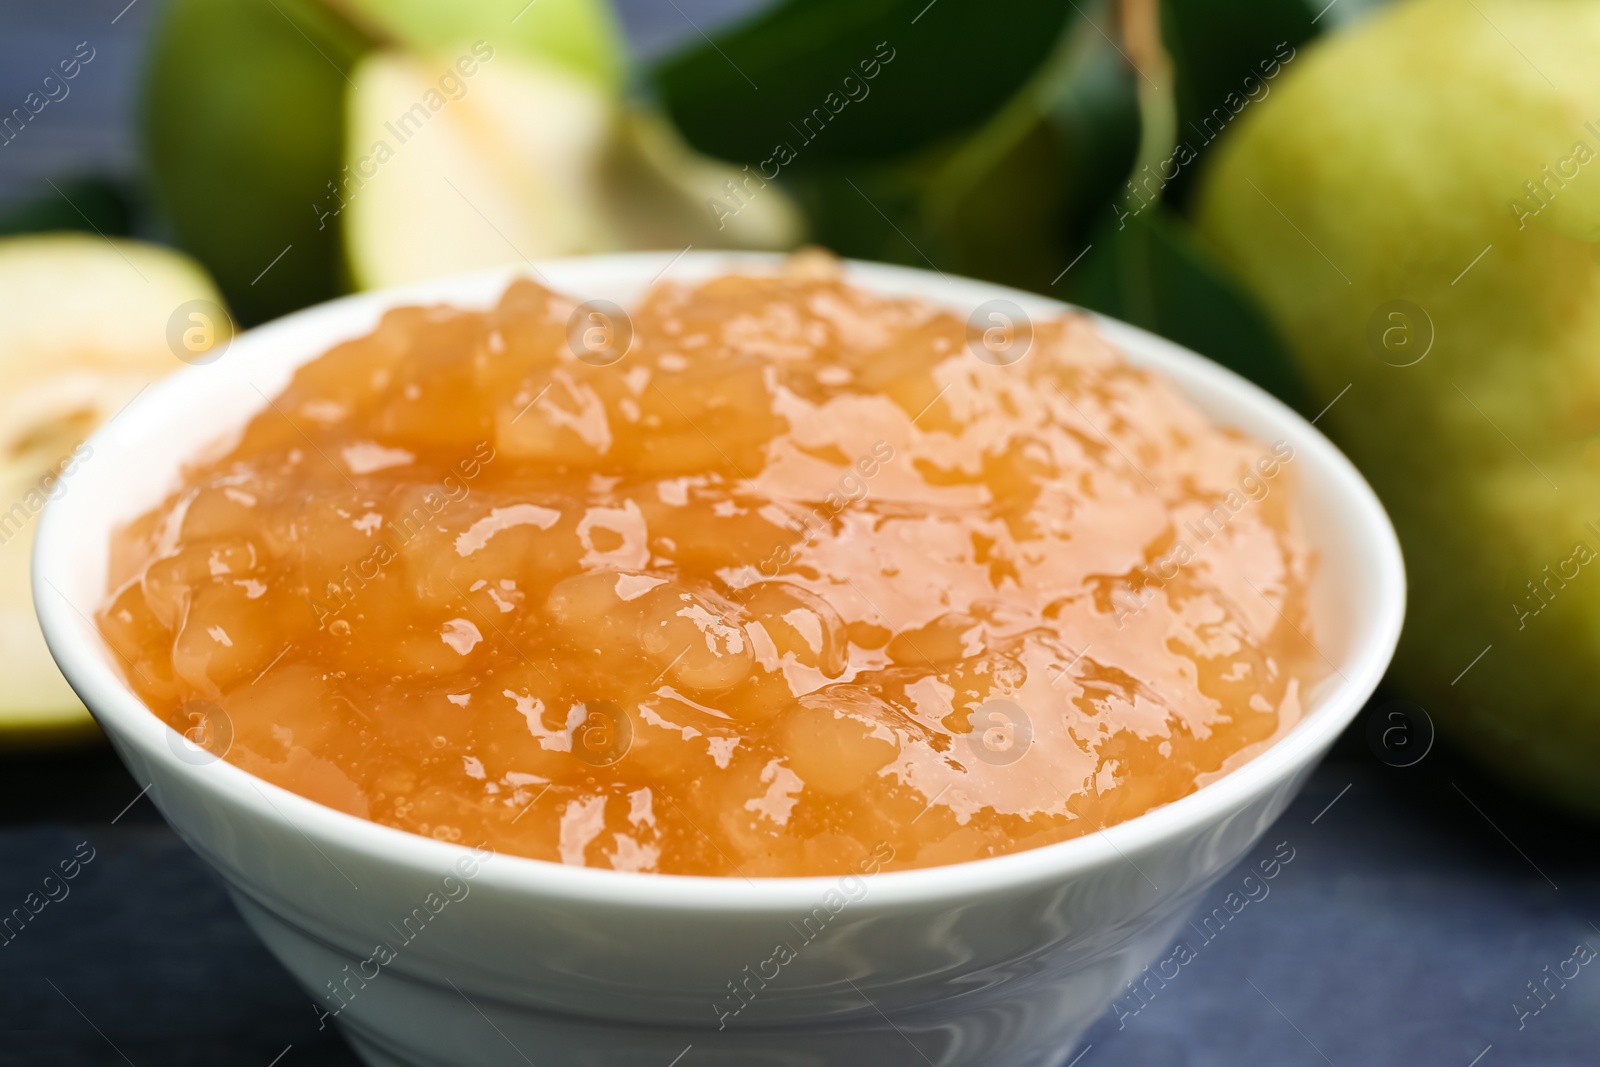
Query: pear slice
x=499, y=169
x=84, y=326
x=520, y=159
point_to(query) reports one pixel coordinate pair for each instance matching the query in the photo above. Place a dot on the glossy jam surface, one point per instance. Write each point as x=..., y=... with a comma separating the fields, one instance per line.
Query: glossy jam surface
x=797, y=580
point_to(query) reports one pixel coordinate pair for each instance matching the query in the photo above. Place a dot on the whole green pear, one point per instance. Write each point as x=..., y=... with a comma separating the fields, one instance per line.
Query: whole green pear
x=243, y=123
x=1417, y=206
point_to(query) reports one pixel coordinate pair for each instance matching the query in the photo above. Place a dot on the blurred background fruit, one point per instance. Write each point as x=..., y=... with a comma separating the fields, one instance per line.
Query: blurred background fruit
x=84, y=326
x=244, y=129
x=524, y=159
x=1421, y=222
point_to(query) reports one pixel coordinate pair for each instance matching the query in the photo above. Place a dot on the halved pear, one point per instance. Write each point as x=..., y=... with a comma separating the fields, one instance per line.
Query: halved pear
x=522, y=159
x=502, y=174
x=84, y=326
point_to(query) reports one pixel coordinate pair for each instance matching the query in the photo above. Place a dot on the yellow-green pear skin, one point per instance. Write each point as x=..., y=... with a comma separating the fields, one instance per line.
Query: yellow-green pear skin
x=86, y=324
x=581, y=36
x=243, y=123
x=525, y=159
x=1416, y=206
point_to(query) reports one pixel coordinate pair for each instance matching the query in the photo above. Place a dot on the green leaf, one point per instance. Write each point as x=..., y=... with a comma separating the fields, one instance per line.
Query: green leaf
x=1011, y=201
x=1017, y=198
x=94, y=205
x=1148, y=269
x=855, y=80
x=1226, y=54
x=1017, y=202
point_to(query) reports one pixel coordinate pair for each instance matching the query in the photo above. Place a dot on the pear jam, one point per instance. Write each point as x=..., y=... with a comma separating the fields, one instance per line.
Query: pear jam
x=773, y=576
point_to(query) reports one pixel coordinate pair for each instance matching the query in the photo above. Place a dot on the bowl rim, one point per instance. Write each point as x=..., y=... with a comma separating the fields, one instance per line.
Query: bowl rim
x=72, y=637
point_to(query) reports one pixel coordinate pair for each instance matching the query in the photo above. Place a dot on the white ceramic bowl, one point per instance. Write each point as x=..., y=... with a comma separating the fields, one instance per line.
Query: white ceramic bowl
x=1001, y=962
